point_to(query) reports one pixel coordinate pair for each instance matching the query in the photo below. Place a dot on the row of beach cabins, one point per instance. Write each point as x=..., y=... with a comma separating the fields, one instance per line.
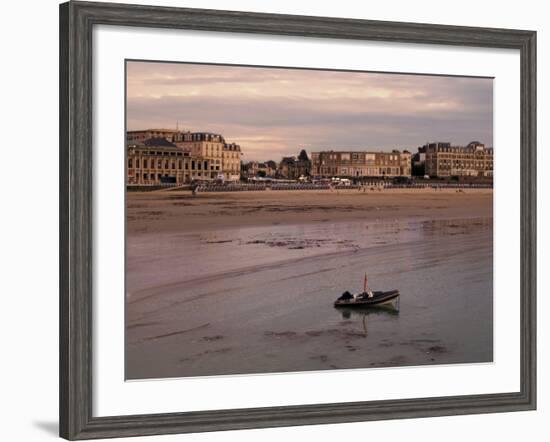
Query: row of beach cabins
x=323, y=186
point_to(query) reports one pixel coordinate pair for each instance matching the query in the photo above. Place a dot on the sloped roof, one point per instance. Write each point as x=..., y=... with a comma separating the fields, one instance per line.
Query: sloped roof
x=158, y=142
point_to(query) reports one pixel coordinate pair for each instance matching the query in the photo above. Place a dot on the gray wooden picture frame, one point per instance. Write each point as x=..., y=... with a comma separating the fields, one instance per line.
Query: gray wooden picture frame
x=77, y=20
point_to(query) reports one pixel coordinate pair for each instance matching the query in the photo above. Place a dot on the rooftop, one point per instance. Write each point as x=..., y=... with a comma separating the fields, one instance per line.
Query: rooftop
x=158, y=141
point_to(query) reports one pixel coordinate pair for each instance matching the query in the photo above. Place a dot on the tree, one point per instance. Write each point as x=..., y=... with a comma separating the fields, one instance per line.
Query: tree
x=303, y=156
x=418, y=169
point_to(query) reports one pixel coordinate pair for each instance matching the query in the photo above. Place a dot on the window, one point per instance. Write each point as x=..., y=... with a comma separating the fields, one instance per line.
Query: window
x=145, y=164
x=130, y=163
x=137, y=163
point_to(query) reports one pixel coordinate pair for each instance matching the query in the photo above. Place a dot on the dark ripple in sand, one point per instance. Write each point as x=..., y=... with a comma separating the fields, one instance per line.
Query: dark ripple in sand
x=141, y=324
x=179, y=332
x=212, y=338
x=285, y=334
x=339, y=334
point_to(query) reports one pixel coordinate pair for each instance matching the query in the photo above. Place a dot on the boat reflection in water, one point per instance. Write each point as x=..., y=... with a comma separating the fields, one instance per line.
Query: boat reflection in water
x=359, y=312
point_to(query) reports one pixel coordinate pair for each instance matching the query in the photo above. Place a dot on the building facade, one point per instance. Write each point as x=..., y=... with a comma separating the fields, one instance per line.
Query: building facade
x=444, y=160
x=361, y=164
x=254, y=169
x=295, y=167
x=286, y=168
x=155, y=165
x=226, y=157
x=157, y=156
x=231, y=161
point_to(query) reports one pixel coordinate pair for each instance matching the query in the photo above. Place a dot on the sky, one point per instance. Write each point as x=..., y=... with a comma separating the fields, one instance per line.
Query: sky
x=275, y=112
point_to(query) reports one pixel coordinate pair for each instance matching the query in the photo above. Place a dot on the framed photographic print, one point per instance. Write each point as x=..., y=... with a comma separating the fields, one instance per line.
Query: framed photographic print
x=271, y=220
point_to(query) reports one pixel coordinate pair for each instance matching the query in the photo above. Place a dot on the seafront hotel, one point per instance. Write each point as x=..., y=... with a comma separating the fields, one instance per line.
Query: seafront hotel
x=163, y=156
x=361, y=164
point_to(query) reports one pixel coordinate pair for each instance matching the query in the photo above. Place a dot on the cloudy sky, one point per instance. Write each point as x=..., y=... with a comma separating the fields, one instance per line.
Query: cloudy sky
x=276, y=112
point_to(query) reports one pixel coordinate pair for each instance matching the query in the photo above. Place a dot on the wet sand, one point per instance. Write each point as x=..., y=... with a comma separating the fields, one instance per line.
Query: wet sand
x=244, y=282
x=180, y=211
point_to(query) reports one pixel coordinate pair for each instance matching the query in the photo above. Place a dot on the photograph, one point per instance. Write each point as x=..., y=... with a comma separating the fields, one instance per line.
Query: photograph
x=275, y=221
x=290, y=220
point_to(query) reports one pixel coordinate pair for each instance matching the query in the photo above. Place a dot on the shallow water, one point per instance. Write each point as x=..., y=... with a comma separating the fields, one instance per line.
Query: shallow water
x=260, y=299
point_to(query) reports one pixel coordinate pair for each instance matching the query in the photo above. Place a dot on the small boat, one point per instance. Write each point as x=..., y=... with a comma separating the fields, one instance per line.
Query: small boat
x=366, y=298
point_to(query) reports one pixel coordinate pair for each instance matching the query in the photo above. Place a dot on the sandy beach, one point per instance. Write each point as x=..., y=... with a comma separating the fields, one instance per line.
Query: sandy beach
x=173, y=211
x=244, y=282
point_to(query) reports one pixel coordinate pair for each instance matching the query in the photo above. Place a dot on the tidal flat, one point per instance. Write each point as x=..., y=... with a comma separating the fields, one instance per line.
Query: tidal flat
x=243, y=283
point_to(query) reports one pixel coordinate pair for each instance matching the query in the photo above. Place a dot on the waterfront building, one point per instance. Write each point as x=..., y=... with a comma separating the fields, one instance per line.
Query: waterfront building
x=165, y=163
x=203, y=155
x=286, y=167
x=361, y=164
x=226, y=157
x=444, y=160
x=256, y=169
x=293, y=168
x=231, y=161
x=405, y=158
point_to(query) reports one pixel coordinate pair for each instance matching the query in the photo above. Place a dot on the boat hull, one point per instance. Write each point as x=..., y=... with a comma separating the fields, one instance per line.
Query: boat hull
x=379, y=298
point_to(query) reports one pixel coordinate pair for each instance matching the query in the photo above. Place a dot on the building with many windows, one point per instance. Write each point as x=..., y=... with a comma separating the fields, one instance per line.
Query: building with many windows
x=157, y=156
x=231, y=161
x=213, y=148
x=361, y=164
x=444, y=160
x=165, y=164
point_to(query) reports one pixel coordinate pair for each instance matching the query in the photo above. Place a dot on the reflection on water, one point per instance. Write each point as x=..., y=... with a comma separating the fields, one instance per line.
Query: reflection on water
x=386, y=309
x=260, y=299
x=361, y=313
